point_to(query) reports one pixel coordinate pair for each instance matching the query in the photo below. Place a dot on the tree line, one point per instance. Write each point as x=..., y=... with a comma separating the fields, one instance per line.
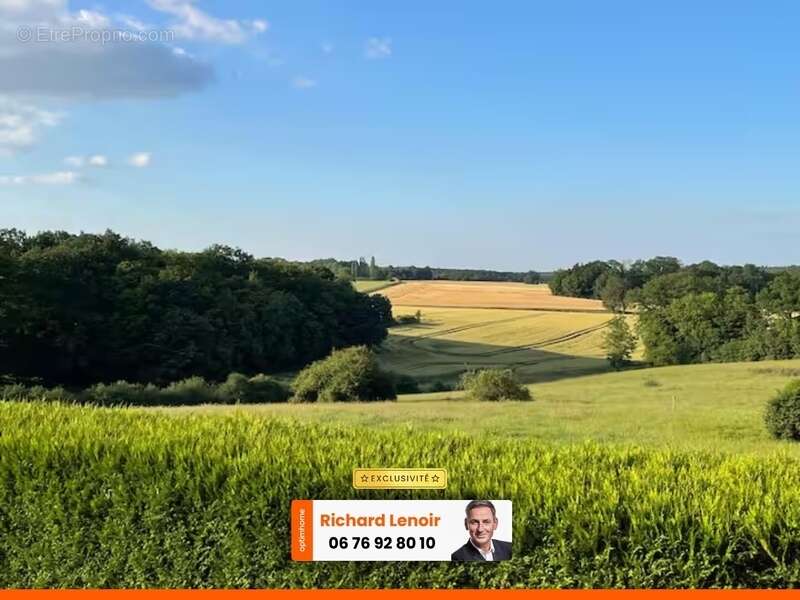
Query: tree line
x=87, y=308
x=363, y=269
x=697, y=313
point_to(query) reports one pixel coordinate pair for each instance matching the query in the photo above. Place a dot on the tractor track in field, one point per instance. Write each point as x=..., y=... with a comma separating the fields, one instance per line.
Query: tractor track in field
x=412, y=340
x=538, y=345
x=501, y=351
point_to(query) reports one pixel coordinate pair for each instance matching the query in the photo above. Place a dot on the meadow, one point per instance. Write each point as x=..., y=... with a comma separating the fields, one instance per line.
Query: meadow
x=712, y=407
x=93, y=497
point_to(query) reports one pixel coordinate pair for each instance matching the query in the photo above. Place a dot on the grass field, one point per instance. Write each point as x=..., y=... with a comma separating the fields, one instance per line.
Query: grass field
x=714, y=407
x=368, y=287
x=125, y=498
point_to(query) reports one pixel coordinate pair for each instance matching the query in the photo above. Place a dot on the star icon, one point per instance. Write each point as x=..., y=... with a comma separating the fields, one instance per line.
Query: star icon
x=364, y=478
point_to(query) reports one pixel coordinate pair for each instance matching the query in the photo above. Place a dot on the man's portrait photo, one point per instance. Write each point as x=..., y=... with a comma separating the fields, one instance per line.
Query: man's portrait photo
x=481, y=523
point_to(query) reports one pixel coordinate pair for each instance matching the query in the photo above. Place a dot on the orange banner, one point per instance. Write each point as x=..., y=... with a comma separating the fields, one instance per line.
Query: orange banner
x=302, y=530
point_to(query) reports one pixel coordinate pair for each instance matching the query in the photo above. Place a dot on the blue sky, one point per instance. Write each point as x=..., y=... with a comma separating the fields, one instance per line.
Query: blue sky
x=507, y=135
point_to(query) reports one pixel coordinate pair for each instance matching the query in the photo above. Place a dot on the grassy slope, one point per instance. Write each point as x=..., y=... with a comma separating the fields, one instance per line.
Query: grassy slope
x=711, y=407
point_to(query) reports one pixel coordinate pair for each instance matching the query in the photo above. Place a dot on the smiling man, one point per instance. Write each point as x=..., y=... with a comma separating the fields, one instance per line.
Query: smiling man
x=481, y=522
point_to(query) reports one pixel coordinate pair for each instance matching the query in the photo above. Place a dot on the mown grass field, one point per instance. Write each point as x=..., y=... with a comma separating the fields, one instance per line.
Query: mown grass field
x=713, y=407
x=367, y=287
x=125, y=498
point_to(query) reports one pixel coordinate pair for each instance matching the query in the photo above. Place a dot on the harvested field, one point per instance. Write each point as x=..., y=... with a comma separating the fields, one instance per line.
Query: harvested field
x=469, y=294
x=537, y=345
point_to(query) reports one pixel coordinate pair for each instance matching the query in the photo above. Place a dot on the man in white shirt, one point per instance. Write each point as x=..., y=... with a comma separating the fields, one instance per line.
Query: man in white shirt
x=481, y=523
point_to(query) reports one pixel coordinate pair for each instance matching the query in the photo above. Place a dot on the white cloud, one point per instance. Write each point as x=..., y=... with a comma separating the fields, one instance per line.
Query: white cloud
x=303, y=83
x=133, y=23
x=98, y=160
x=140, y=159
x=92, y=19
x=75, y=161
x=195, y=24
x=87, y=68
x=32, y=9
x=21, y=123
x=57, y=178
x=259, y=25
x=378, y=48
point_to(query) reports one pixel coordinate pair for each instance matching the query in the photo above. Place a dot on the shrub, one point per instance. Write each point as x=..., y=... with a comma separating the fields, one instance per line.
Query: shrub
x=493, y=385
x=405, y=384
x=348, y=375
x=414, y=319
x=440, y=386
x=234, y=389
x=18, y=391
x=190, y=391
x=14, y=391
x=121, y=393
x=782, y=416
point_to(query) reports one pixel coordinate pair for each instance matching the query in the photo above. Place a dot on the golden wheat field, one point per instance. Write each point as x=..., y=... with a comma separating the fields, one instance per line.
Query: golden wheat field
x=493, y=325
x=480, y=294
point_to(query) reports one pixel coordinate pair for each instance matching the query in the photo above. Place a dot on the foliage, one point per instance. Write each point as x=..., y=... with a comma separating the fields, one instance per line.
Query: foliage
x=730, y=325
x=493, y=385
x=619, y=342
x=188, y=392
x=121, y=393
x=414, y=319
x=362, y=269
x=405, y=384
x=348, y=375
x=82, y=309
x=782, y=416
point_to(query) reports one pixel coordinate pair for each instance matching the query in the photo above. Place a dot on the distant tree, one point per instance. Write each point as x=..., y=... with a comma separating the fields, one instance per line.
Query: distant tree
x=619, y=342
x=373, y=271
x=782, y=296
x=612, y=291
x=532, y=277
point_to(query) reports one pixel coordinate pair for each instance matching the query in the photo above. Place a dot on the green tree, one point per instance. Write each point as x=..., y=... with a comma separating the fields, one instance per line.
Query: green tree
x=612, y=290
x=348, y=375
x=619, y=342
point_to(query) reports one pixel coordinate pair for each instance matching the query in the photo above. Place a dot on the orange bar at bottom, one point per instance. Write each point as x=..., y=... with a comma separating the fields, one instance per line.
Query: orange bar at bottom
x=302, y=530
